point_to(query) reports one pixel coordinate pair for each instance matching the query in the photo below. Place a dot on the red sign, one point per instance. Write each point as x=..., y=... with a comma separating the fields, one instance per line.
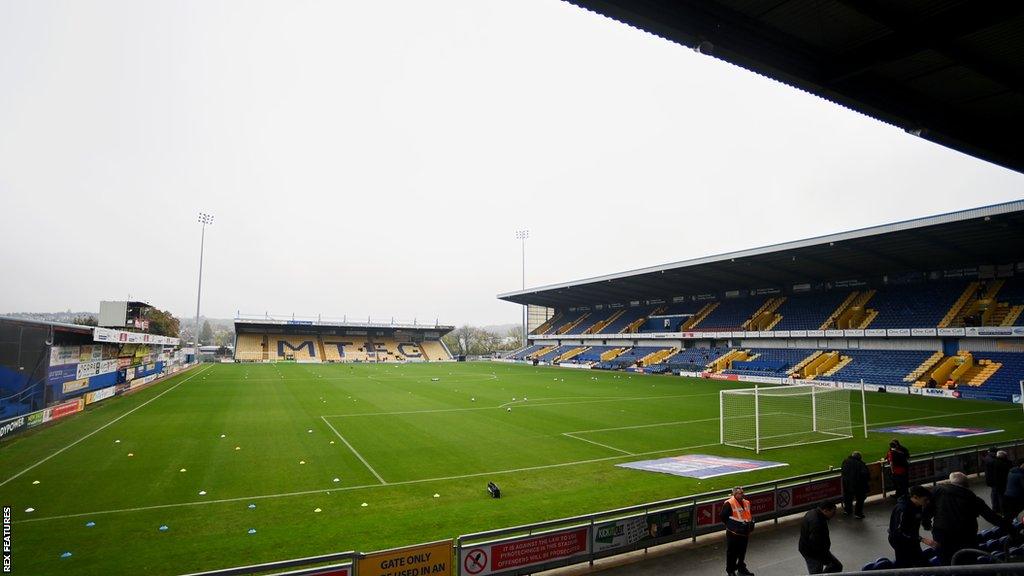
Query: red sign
x=812, y=493
x=522, y=552
x=717, y=376
x=762, y=503
x=65, y=409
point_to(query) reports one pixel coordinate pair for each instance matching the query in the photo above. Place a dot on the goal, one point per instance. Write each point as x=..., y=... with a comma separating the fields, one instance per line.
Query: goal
x=763, y=418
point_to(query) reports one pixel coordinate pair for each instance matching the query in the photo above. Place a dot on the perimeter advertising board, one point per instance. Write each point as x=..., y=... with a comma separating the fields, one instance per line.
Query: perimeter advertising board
x=806, y=495
x=708, y=514
x=519, y=553
x=434, y=559
x=643, y=530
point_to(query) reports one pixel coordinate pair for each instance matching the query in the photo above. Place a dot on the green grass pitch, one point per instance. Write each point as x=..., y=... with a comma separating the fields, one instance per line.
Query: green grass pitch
x=393, y=436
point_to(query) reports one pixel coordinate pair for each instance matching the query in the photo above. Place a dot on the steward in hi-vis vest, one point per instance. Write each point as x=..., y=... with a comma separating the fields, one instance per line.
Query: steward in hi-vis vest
x=739, y=523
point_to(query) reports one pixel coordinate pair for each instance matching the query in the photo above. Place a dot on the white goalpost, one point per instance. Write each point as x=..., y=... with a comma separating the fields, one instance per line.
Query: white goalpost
x=776, y=417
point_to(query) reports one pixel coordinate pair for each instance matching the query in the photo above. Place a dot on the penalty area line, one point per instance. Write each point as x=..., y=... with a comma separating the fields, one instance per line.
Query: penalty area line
x=354, y=451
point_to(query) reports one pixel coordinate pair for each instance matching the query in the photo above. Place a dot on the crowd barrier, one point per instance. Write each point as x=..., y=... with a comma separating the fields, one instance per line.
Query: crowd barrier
x=553, y=544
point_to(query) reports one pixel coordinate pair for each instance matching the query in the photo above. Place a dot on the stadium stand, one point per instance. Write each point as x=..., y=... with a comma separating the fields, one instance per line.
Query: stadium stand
x=594, y=321
x=251, y=347
x=730, y=314
x=887, y=367
x=629, y=320
x=914, y=306
x=808, y=311
x=553, y=353
x=776, y=362
x=592, y=354
x=298, y=348
x=434, y=351
x=564, y=322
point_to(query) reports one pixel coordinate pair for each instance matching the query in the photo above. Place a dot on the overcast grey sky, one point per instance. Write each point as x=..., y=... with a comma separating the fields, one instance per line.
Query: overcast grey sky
x=375, y=158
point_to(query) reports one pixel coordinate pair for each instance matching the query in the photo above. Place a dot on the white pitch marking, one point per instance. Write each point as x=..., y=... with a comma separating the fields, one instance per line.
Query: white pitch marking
x=105, y=425
x=445, y=478
x=367, y=486
x=569, y=435
x=532, y=404
x=354, y=451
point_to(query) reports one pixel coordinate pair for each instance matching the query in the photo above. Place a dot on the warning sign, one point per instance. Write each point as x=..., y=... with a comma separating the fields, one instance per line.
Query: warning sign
x=434, y=559
x=507, y=555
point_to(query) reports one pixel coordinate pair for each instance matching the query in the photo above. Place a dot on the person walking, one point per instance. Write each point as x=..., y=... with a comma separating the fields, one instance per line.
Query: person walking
x=997, y=468
x=898, y=458
x=855, y=484
x=905, y=528
x=955, y=509
x=815, y=545
x=1013, y=494
x=739, y=523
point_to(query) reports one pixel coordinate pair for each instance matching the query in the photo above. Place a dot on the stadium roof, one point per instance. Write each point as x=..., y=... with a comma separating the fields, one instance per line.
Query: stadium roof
x=950, y=71
x=988, y=235
x=61, y=326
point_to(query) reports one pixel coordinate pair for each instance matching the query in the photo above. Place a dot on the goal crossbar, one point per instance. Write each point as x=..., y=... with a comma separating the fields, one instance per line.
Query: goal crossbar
x=763, y=418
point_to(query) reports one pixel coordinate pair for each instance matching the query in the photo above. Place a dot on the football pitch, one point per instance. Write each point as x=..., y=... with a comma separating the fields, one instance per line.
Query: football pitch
x=320, y=458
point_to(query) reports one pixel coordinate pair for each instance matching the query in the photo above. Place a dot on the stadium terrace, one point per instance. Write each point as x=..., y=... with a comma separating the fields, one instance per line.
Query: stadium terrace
x=927, y=306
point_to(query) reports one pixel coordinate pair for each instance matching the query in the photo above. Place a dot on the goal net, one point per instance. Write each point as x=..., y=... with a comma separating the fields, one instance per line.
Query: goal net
x=776, y=417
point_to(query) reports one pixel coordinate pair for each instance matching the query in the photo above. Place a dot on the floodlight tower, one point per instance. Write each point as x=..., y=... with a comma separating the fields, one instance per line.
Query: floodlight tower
x=206, y=220
x=522, y=235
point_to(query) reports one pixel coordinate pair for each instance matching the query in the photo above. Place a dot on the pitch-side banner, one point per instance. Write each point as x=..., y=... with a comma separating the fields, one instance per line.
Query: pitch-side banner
x=421, y=560
x=805, y=495
x=644, y=530
x=122, y=337
x=509, y=555
x=760, y=504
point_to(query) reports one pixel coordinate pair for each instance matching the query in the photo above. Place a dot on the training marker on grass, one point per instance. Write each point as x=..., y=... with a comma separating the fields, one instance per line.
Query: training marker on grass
x=202, y=492
x=66, y=555
x=252, y=530
x=182, y=470
x=90, y=524
x=317, y=510
x=30, y=510
x=163, y=528
x=34, y=482
x=252, y=506
x=364, y=504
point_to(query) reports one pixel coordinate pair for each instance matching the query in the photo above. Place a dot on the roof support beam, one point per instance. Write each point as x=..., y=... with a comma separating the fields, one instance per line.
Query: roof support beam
x=937, y=32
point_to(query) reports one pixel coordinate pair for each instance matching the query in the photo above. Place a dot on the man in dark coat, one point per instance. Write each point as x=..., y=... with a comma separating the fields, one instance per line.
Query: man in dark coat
x=997, y=467
x=899, y=465
x=905, y=528
x=1013, y=496
x=955, y=509
x=815, y=545
x=855, y=484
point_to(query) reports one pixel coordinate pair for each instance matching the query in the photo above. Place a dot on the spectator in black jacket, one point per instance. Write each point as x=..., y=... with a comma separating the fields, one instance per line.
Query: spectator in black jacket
x=855, y=484
x=955, y=510
x=997, y=467
x=1013, y=497
x=905, y=528
x=815, y=545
